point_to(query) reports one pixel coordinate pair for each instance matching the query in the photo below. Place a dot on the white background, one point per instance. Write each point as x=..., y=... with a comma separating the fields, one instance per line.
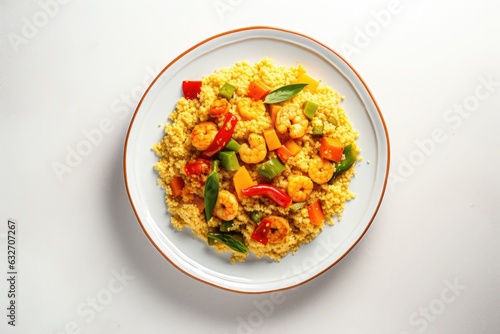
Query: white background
x=428, y=264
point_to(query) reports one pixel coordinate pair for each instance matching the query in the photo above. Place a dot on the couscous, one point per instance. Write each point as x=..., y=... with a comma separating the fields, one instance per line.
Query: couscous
x=257, y=158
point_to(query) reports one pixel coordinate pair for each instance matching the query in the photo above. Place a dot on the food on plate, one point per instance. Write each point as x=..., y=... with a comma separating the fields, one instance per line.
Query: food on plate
x=257, y=159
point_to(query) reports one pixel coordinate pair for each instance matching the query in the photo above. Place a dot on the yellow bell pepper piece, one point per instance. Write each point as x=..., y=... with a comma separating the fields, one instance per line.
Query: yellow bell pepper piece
x=293, y=147
x=311, y=83
x=272, y=140
x=242, y=180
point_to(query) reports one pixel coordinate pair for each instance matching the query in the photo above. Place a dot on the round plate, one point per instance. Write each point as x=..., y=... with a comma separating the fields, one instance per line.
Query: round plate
x=191, y=255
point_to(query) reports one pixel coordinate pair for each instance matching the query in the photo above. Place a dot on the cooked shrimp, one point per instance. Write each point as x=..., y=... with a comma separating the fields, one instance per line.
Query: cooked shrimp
x=291, y=118
x=299, y=188
x=255, y=151
x=250, y=109
x=320, y=170
x=219, y=108
x=278, y=229
x=226, y=207
x=203, y=134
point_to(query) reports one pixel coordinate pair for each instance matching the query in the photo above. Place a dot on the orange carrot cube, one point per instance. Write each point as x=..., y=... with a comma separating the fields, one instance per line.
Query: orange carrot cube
x=331, y=149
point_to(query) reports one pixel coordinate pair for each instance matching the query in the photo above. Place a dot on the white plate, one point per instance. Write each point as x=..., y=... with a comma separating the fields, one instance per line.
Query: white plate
x=191, y=255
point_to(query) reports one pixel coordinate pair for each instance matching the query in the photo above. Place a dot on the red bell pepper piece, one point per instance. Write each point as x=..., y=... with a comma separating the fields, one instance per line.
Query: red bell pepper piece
x=198, y=168
x=277, y=195
x=222, y=137
x=261, y=231
x=283, y=153
x=191, y=89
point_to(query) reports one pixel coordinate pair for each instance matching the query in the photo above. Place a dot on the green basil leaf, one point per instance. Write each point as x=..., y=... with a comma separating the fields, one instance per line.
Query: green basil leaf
x=284, y=93
x=211, y=191
x=229, y=241
x=350, y=158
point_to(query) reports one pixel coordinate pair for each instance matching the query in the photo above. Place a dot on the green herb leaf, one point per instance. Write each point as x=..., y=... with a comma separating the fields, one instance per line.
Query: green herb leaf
x=350, y=157
x=229, y=241
x=284, y=93
x=211, y=191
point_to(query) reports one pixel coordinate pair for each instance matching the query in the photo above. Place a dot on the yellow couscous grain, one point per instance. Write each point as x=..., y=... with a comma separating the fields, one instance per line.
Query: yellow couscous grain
x=176, y=150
